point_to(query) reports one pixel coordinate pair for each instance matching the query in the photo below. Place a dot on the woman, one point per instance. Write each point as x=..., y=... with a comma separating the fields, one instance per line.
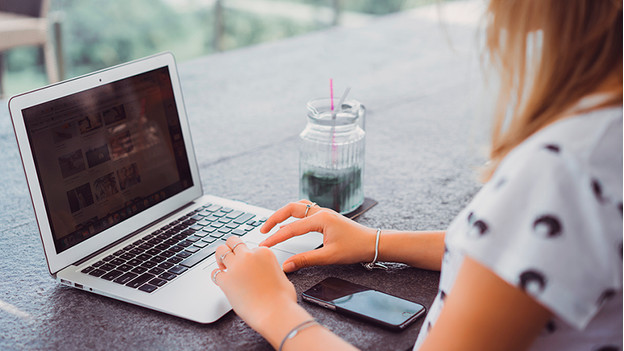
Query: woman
x=534, y=262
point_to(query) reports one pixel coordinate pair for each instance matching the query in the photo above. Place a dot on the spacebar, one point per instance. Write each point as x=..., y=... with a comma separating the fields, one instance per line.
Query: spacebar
x=201, y=254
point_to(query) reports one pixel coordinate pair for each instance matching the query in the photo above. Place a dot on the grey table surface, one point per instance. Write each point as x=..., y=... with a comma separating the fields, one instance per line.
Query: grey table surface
x=246, y=108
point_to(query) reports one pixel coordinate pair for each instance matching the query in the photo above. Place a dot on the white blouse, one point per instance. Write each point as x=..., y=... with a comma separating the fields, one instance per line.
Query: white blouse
x=550, y=222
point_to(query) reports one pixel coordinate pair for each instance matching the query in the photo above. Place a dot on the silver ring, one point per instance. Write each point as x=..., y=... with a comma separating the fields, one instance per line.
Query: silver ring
x=225, y=254
x=308, y=206
x=234, y=248
x=214, y=276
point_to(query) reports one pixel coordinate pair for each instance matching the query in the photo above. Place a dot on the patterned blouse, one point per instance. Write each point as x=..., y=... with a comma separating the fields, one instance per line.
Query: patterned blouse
x=550, y=223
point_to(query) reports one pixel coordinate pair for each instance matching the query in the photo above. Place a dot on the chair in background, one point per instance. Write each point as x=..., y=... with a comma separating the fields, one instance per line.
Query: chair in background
x=26, y=23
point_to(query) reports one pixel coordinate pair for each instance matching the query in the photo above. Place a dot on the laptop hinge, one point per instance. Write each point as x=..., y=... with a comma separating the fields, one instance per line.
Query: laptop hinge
x=140, y=230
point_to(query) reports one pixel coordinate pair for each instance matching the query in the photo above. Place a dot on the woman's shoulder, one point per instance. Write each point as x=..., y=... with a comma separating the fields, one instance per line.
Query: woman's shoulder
x=588, y=145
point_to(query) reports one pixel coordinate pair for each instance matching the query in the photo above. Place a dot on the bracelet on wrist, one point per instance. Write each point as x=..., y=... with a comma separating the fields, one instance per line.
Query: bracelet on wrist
x=374, y=264
x=294, y=331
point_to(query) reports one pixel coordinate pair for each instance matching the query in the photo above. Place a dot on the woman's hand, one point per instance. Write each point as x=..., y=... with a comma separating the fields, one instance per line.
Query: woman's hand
x=344, y=241
x=253, y=282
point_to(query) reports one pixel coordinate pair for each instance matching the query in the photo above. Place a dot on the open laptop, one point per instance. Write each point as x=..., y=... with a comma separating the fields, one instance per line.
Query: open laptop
x=117, y=195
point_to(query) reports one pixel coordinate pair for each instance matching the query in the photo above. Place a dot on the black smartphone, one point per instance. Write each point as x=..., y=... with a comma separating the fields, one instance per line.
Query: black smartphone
x=365, y=303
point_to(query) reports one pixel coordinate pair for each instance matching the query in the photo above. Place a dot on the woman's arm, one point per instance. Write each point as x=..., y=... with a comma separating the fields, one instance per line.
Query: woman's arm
x=484, y=312
x=345, y=241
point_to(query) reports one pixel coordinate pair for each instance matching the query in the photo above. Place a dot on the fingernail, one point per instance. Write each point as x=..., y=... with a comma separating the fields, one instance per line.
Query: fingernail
x=289, y=266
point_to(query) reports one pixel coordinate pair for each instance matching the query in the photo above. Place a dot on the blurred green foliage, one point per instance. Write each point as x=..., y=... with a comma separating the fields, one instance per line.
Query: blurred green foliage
x=101, y=33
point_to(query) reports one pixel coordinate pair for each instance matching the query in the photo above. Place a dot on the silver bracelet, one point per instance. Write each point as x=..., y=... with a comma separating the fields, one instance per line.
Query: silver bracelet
x=296, y=330
x=374, y=264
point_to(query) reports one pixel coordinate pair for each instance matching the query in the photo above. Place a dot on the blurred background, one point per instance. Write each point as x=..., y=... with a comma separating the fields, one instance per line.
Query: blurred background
x=50, y=40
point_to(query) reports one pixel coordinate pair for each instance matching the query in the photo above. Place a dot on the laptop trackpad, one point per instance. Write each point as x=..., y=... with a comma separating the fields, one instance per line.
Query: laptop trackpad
x=281, y=255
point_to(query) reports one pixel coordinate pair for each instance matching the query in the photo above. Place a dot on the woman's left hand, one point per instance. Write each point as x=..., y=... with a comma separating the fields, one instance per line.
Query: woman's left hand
x=253, y=281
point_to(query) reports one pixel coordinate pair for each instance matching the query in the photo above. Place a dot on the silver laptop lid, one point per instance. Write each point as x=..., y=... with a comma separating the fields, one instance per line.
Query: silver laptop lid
x=104, y=155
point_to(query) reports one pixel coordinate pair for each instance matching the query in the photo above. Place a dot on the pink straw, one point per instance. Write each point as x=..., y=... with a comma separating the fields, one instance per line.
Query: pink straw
x=331, y=92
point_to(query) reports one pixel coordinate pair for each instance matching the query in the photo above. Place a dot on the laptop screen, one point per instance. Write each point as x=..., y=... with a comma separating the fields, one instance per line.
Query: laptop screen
x=107, y=153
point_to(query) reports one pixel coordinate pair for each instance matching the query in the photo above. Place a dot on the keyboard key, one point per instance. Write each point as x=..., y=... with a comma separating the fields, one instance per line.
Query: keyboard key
x=232, y=225
x=112, y=275
x=134, y=262
x=116, y=261
x=149, y=264
x=201, y=244
x=167, y=253
x=158, y=259
x=225, y=220
x=213, y=208
x=123, y=279
x=192, y=249
x=158, y=282
x=226, y=236
x=183, y=254
x=87, y=270
x=244, y=218
x=139, y=270
x=209, y=240
x=109, y=257
x=124, y=267
x=216, y=235
x=135, y=251
x=107, y=267
x=97, y=272
x=197, y=227
x=234, y=214
x=143, y=257
x=185, y=243
x=166, y=265
x=170, y=242
x=238, y=232
x=201, y=234
x=162, y=247
x=167, y=276
x=98, y=263
x=148, y=288
x=209, y=229
x=156, y=270
x=140, y=280
x=217, y=225
x=224, y=230
x=176, y=248
x=178, y=270
x=175, y=259
x=200, y=256
x=193, y=238
x=247, y=227
x=226, y=209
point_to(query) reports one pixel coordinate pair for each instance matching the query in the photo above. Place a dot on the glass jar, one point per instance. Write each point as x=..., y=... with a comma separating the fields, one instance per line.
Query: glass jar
x=331, y=155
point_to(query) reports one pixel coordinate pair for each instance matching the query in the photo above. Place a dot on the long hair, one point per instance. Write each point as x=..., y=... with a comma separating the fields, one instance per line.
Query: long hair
x=550, y=54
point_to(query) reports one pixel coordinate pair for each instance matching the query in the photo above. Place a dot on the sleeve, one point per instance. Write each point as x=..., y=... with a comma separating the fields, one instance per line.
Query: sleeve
x=545, y=225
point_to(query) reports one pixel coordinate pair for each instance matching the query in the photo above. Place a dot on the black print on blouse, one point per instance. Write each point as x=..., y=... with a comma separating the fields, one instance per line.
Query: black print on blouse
x=552, y=147
x=597, y=188
x=500, y=183
x=532, y=282
x=550, y=327
x=547, y=226
x=442, y=295
x=606, y=296
x=620, y=208
x=428, y=327
x=608, y=348
x=478, y=227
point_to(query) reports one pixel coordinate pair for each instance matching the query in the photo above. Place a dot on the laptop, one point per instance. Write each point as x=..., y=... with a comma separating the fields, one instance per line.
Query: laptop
x=117, y=194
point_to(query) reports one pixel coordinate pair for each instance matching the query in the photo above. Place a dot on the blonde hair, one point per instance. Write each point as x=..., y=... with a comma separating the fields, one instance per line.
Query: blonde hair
x=550, y=54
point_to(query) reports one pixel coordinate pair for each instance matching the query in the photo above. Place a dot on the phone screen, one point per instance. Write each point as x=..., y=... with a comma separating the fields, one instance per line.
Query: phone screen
x=358, y=300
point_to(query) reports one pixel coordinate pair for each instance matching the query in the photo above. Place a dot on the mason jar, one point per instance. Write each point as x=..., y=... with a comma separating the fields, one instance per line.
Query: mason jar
x=331, y=155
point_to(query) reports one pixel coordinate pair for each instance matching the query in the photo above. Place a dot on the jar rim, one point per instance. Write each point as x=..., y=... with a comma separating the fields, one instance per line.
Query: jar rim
x=319, y=112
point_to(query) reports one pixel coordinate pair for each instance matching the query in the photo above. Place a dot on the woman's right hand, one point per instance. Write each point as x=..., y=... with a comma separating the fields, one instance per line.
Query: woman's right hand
x=344, y=241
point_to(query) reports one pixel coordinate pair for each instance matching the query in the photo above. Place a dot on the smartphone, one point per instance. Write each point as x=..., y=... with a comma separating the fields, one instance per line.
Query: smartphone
x=364, y=303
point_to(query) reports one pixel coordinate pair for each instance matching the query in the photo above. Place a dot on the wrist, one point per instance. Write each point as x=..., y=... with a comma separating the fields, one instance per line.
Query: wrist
x=280, y=321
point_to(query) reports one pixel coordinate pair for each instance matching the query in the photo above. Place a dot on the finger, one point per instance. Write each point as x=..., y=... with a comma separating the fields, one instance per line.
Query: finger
x=309, y=258
x=215, y=275
x=302, y=226
x=220, y=254
x=278, y=217
x=236, y=244
x=293, y=209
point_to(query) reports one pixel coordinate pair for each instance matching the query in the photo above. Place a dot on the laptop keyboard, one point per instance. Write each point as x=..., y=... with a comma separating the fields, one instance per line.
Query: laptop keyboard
x=156, y=259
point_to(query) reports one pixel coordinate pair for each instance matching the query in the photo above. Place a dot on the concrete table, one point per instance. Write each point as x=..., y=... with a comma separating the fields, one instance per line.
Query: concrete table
x=425, y=134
